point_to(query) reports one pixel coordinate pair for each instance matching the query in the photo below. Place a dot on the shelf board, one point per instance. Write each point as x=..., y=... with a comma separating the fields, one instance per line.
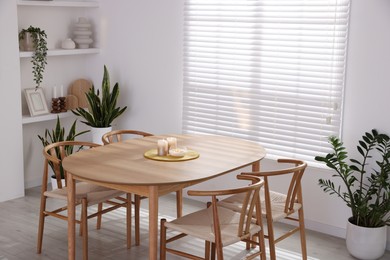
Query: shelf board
x=27, y=119
x=59, y=3
x=61, y=52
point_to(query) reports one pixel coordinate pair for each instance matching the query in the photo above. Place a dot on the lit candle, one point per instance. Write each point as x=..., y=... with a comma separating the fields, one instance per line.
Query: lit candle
x=55, y=92
x=162, y=147
x=172, y=143
x=61, y=91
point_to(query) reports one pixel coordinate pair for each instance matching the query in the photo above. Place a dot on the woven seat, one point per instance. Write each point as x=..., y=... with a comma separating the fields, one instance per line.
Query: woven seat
x=86, y=194
x=220, y=226
x=278, y=206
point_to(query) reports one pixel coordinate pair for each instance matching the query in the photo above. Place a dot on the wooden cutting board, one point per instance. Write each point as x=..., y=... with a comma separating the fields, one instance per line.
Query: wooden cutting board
x=72, y=102
x=78, y=89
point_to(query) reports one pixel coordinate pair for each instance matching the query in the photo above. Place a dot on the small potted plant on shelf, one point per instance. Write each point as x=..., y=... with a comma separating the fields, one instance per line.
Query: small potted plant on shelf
x=58, y=135
x=102, y=109
x=366, y=190
x=34, y=39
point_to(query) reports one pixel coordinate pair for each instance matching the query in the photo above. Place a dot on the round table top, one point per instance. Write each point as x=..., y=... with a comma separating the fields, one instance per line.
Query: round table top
x=124, y=162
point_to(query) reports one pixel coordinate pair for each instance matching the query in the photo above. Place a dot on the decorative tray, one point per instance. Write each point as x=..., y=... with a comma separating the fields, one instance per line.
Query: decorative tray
x=189, y=155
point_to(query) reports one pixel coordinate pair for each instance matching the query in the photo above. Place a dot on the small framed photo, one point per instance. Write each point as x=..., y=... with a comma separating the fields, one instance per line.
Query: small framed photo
x=36, y=101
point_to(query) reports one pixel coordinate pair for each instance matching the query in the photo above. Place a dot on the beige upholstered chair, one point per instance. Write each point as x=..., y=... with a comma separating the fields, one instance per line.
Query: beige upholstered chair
x=220, y=226
x=279, y=206
x=86, y=194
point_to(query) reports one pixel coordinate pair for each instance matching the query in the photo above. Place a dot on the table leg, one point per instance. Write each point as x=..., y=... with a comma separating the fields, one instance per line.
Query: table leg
x=179, y=203
x=71, y=217
x=256, y=166
x=153, y=222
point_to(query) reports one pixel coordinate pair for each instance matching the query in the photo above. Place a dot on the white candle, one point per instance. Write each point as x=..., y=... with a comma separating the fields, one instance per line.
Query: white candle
x=55, y=92
x=61, y=91
x=172, y=143
x=162, y=147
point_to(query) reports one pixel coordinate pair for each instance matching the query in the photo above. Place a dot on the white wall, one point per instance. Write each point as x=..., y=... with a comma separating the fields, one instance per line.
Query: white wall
x=11, y=184
x=141, y=45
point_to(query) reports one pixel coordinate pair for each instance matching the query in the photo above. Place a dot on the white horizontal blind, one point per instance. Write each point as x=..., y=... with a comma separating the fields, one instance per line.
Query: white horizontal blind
x=268, y=71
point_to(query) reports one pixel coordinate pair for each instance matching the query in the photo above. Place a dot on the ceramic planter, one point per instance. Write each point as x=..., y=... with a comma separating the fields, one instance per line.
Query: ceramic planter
x=98, y=132
x=54, y=183
x=27, y=43
x=366, y=243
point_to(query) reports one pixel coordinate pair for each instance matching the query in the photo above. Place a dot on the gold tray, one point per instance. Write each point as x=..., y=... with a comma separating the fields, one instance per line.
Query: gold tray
x=152, y=154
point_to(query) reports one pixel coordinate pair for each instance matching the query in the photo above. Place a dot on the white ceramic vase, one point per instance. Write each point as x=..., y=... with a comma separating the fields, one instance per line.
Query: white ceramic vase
x=68, y=44
x=98, y=132
x=83, y=33
x=366, y=243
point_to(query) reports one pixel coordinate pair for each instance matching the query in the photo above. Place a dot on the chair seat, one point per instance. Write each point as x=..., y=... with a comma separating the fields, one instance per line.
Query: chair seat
x=278, y=202
x=94, y=193
x=199, y=225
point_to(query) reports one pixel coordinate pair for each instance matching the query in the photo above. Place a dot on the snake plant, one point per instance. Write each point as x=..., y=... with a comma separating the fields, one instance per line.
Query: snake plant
x=102, y=110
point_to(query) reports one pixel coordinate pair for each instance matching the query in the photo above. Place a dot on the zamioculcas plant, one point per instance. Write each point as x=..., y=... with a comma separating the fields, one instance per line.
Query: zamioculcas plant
x=365, y=181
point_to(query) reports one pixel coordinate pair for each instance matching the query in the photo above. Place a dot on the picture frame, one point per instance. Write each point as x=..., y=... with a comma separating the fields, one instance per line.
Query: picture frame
x=36, y=101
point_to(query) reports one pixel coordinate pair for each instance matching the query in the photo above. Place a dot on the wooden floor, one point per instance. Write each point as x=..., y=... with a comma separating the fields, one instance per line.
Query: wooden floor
x=18, y=231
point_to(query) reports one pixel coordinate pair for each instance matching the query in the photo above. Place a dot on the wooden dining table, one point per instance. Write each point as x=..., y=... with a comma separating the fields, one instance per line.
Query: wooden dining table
x=123, y=166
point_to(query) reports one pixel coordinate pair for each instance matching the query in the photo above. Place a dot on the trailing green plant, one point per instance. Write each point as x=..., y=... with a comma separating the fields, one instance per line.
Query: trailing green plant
x=366, y=180
x=58, y=135
x=39, y=57
x=102, y=111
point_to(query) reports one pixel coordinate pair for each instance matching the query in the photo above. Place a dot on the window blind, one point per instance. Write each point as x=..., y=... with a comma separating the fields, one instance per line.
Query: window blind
x=268, y=71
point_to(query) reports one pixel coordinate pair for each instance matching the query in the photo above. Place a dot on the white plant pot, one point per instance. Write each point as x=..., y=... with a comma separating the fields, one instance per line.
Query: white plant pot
x=54, y=185
x=98, y=132
x=366, y=243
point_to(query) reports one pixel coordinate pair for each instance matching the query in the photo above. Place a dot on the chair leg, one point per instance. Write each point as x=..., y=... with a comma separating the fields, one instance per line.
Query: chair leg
x=84, y=226
x=99, y=217
x=219, y=252
x=207, y=250
x=302, y=233
x=128, y=220
x=41, y=224
x=271, y=239
x=137, y=205
x=212, y=251
x=163, y=237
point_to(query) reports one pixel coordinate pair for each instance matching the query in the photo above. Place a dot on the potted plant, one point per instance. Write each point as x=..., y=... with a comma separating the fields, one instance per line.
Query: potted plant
x=366, y=190
x=58, y=135
x=34, y=39
x=102, y=110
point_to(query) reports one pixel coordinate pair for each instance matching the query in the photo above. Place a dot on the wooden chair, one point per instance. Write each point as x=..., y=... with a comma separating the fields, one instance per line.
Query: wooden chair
x=279, y=206
x=118, y=136
x=86, y=194
x=220, y=226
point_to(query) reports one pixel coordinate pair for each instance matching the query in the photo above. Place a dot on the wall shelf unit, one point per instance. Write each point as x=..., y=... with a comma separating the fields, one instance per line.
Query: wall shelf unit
x=89, y=4
x=26, y=119
x=62, y=52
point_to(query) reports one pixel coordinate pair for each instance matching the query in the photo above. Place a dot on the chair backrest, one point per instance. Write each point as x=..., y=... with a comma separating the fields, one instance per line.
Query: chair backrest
x=54, y=154
x=294, y=192
x=250, y=203
x=118, y=135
